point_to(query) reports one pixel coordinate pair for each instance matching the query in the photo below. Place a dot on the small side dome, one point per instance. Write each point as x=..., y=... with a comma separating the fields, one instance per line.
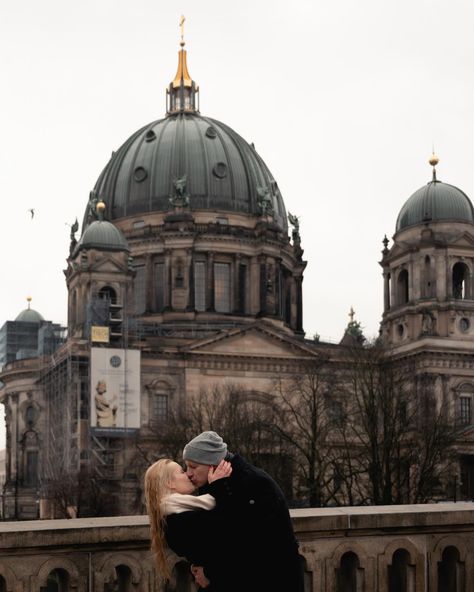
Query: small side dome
x=104, y=236
x=29, y=315
x=436, y=202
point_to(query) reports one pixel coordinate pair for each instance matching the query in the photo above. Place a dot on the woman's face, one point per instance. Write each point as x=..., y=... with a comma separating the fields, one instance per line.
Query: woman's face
x=179, y=480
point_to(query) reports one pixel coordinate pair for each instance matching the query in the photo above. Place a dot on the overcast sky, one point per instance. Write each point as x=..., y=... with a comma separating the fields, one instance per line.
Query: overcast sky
x=343, y=100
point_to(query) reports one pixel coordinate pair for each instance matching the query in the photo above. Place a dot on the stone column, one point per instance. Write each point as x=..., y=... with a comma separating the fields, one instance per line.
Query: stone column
x=210, y=282
x=168, y=279
x=386, y=290
x=149, y=284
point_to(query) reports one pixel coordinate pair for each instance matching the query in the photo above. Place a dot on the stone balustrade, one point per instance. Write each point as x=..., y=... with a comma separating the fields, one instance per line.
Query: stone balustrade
x=383, y=549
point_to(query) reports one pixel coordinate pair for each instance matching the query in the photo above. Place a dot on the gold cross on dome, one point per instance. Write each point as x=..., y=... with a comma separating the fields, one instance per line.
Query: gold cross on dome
x=181, y=26
x=351, y=314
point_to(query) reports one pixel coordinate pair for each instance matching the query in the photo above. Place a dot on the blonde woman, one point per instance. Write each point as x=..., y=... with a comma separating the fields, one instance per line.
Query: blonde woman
x=181, y=521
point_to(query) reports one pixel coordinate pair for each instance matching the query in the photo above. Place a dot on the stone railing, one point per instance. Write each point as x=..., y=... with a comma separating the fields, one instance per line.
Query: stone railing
x=383, y=549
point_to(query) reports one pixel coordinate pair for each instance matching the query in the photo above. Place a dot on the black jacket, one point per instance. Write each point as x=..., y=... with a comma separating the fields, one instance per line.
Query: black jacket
x=247, y=543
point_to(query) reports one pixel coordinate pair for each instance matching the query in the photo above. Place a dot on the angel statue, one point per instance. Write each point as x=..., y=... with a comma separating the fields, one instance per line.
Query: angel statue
x=264, y=201
x=180, y=197
x=294, y=221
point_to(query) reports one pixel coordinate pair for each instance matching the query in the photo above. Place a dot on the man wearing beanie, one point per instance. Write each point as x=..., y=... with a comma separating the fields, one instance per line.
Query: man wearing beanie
x=259, y=551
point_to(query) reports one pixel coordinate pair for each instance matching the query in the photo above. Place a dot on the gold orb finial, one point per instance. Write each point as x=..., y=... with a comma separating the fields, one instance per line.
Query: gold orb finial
x=29, y=299
x=433, y=160
x=100, y=207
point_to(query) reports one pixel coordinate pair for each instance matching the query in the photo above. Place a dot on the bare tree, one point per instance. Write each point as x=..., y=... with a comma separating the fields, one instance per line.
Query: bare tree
x=396, y=437
x=304, y=423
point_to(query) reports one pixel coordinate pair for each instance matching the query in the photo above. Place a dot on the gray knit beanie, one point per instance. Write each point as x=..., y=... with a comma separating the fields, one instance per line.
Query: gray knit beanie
x=206, y=449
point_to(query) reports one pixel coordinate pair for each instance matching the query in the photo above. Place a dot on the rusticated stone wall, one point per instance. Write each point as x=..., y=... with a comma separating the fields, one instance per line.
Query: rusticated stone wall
x=381, y=549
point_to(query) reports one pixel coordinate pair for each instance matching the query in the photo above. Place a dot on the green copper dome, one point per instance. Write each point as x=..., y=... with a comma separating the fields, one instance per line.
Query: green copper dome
x=223, y=171
x=104, y=236
x=435, y=202
x=29, y=316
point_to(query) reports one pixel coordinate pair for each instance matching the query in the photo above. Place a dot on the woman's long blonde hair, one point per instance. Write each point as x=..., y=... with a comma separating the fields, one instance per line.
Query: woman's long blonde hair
x=157, y=486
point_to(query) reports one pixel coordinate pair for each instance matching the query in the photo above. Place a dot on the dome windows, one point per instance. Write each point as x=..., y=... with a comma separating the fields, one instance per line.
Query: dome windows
x=211, y=132
x=150, y=136
x=220, y=170
x=140, y=174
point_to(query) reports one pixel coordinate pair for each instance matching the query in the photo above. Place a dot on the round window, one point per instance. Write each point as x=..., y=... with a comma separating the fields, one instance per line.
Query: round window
x=220, y=170
x=464, y=324
x=140, y=174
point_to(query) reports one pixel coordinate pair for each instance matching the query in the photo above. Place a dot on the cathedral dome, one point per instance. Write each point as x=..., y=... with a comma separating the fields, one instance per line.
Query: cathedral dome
x=223, y=172
x=207, y=163
x=102, y=235
x=435, y=202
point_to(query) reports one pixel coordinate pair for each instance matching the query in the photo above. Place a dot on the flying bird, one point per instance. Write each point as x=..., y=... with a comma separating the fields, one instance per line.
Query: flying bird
x=32, y=212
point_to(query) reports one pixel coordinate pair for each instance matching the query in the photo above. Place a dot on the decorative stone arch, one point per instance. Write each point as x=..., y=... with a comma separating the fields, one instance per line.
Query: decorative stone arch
x=416, y=557
x=313, y=569
x=463, y=546
x=76, y=584
x=366, y=563
x=105, y=570
x=109, y=290
x=13, y=584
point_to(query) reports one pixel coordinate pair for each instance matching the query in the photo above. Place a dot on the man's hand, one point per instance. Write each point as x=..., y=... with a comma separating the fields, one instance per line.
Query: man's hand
x=223, y=469
x=200, y=578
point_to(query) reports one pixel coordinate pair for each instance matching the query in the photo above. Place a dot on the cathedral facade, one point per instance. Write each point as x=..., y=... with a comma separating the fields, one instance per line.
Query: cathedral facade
x=187, y=275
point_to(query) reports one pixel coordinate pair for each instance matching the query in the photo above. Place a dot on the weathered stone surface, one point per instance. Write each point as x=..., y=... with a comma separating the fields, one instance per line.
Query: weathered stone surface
x=94, y=552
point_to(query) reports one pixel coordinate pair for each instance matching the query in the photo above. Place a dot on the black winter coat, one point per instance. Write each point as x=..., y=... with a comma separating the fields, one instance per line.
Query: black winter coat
x=257, y=533
x=247, y=543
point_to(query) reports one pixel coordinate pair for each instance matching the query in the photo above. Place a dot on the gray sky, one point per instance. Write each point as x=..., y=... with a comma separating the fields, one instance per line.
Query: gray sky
x=342, y=99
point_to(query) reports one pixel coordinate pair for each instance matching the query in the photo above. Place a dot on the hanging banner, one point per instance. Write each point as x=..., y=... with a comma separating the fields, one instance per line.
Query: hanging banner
x=115, y=391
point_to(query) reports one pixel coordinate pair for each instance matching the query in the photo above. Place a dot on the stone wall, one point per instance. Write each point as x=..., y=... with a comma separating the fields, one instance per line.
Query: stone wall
x=345, y=549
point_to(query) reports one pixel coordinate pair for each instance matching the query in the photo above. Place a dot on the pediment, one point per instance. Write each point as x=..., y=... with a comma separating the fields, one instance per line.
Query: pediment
x=108, y=265
x=254, y=341
x=466, y=239
x=398, y=249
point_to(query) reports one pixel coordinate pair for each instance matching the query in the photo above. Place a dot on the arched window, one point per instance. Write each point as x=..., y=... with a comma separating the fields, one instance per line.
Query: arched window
x=403, y=287
x=108, y=293
x=451, y=572
x=349, y=574
x=58, y=581
x=401, y=574
x=427, y=286
x=122, y=582
x=461, y=279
